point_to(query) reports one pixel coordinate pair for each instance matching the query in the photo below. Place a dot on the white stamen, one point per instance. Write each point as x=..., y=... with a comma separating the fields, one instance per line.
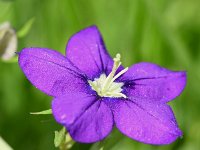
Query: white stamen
x=119, y=74
x=105, y=86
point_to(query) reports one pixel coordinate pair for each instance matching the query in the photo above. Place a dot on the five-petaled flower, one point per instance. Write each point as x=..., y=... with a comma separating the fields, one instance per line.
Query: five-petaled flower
x=93, y=92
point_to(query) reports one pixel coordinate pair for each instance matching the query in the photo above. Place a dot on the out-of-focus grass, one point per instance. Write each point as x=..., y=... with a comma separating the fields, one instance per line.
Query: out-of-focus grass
x=162, y=32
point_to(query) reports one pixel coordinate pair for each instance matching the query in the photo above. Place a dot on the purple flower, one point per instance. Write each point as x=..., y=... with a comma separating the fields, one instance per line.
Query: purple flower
x=93, y=92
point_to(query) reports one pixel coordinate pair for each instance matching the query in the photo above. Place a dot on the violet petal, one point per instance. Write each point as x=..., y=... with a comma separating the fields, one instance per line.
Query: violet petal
x=152, y=82
x=50, y=72
x=86, y=118
x=87, y=51
x=151, y=123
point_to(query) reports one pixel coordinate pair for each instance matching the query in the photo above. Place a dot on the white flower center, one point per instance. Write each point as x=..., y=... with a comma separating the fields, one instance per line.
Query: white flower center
x=105, y=85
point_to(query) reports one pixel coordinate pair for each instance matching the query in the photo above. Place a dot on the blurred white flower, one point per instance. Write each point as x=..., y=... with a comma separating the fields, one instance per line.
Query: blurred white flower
x=8, y=41
x=4, y=145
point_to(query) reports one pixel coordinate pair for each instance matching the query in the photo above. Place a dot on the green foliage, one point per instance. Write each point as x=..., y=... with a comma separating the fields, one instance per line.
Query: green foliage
x=26, y=28
x=62, y=140
x=59, y=137
x=44, y=112
x=159, y=31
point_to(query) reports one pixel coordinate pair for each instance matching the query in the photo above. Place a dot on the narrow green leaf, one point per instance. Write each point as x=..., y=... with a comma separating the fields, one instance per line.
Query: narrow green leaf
x=26, y=28
x=44, y=112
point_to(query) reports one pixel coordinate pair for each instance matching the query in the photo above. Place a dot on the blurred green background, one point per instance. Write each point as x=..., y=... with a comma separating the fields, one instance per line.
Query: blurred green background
x=166, y=32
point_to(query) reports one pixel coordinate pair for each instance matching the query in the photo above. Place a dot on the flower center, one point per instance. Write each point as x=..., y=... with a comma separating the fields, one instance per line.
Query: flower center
x=105, y=85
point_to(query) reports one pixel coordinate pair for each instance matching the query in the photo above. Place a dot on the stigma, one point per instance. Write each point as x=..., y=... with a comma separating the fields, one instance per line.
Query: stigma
x=105, y=86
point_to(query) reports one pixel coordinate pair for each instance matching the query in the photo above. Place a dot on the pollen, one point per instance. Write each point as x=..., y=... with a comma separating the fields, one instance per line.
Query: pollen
x=105, y=86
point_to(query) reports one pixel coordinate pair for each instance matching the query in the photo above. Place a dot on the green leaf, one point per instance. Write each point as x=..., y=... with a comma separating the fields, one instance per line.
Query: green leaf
x=59, y=137
x=26, y=28
x=44, y=112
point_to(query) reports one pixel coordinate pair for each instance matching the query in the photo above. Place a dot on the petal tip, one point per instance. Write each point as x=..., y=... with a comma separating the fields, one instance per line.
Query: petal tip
x=93, y=26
